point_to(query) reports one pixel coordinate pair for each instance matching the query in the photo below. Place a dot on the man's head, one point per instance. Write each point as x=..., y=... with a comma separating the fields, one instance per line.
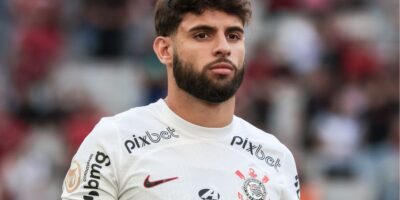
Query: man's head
x=202, y=44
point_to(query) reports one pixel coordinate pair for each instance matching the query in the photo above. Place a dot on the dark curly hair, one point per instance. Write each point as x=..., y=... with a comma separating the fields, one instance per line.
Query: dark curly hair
x=169, y=13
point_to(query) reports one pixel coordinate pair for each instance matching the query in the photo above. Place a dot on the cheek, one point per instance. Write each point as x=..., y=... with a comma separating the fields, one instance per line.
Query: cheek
x=194, y=60
x=239, y=56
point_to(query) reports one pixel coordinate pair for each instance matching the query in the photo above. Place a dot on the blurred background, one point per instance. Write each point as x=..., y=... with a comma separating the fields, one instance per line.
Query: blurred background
x=322, y=75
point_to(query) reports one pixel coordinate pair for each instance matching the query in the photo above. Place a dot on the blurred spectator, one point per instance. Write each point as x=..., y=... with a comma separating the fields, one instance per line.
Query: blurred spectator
x=383, y=107
x=301, y=54
x=12, y=133
x=320, y=86
x=359, y=61
x=32, y=170
x=252, y=97
x=339, y=132
x=36, y=50
x=287, y=107
x=79, y=122
x=37, y=39
x=37, y=43
x=105, y=21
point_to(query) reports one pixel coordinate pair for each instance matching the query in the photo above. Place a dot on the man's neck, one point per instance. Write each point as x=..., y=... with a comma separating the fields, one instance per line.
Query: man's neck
x=199, y=112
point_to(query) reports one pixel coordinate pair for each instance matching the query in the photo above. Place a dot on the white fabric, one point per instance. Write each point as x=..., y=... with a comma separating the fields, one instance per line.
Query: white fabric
x=209, y=163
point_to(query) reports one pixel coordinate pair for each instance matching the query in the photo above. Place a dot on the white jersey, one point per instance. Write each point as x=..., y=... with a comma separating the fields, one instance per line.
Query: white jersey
x=150, y=153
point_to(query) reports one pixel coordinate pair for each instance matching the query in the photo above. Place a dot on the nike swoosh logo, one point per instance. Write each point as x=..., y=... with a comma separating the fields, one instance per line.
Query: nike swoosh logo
x=149, y=184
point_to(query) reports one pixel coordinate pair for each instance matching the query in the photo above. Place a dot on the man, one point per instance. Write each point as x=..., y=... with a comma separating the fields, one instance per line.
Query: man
x=188, y=145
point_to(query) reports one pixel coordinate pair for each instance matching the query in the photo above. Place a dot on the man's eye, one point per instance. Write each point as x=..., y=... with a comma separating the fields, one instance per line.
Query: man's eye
x=234, y=36
x=201, y=36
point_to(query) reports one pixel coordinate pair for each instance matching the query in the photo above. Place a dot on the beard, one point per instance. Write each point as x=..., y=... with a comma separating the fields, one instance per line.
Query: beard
x=207, y=88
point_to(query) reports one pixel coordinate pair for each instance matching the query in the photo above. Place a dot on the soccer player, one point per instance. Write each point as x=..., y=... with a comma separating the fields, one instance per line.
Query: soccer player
x=189, y=145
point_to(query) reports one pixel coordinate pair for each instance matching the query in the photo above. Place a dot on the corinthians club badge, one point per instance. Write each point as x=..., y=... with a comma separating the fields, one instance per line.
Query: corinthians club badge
x=253, y=188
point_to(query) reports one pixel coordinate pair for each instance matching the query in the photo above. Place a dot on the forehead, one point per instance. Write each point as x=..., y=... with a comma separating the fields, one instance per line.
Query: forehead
x=213, y=18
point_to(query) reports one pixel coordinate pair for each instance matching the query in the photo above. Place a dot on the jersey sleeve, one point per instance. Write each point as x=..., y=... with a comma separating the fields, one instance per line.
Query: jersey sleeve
x=92, y=173
x=291, y=189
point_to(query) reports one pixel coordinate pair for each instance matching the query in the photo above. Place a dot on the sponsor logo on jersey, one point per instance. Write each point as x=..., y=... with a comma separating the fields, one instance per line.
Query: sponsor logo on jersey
x=87, y=167
x=149, y=138
x=256, y=150
x=253, y=188
x=149, y=184
x=73, y=178
x=100, y=160
x=209, y=194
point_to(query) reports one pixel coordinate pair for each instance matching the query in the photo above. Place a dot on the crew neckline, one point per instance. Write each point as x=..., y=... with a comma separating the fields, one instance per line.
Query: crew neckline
x=189, y=128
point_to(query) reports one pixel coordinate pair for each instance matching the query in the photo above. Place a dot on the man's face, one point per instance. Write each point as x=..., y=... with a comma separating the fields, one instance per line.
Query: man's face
x=209, y=55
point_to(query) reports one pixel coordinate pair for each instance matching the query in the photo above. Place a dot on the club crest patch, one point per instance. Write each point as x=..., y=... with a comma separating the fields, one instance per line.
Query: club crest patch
x=72, y=180
x=253, y=188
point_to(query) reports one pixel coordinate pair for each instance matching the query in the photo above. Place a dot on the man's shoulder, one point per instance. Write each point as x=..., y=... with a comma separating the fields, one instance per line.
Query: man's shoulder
x=131, y=119
x=258, y=135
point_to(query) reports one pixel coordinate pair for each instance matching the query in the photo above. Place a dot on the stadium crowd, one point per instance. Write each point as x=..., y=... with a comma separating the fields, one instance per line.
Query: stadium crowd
x=322, y=75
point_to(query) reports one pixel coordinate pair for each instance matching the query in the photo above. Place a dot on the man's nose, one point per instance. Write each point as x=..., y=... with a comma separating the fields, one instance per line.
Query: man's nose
x=222, y=47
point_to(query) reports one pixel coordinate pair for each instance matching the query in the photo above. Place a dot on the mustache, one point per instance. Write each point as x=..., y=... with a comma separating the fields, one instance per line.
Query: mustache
x=219, y=60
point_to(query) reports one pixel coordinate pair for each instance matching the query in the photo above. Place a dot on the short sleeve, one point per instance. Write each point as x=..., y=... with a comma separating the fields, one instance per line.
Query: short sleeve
x=92, y=171
x=291, y=189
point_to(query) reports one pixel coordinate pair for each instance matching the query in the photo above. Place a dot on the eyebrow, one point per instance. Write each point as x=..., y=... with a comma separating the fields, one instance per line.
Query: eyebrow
x=235, y=29
x=211, y=29
x=202, y=28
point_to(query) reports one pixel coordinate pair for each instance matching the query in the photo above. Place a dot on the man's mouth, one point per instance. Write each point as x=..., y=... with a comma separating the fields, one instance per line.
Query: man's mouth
x=222, y=68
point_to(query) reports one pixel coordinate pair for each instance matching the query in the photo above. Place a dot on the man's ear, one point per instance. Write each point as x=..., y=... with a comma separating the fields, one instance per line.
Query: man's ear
x=162, y=46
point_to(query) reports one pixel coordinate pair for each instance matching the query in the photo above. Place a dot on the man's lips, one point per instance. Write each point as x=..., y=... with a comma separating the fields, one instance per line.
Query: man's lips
x=222, y=68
